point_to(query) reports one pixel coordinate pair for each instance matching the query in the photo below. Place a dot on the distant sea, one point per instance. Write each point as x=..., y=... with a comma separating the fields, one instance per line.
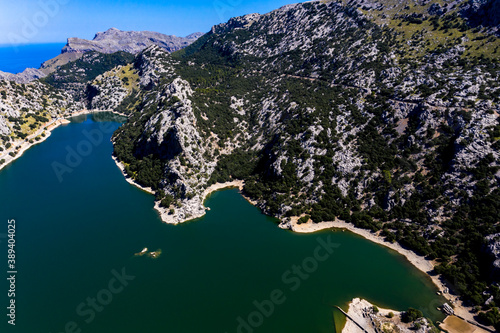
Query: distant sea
x=17, y=59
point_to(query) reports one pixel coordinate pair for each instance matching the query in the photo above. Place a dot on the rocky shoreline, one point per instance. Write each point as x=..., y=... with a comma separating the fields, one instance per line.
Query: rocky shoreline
x=375, y=319
x=422, y=264
x=196, y=207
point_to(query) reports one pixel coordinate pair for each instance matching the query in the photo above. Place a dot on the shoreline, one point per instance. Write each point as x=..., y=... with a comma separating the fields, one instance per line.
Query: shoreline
x=197, y=207
x=356, y=312
x=424, y=265
x=419, y=262
x=25, y=144
x=47, y=128
x=219, y=186
x=130, y=180
x=227, y=185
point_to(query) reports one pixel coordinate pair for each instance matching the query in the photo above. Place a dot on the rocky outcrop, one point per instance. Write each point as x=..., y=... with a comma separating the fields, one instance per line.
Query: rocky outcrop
x=152, y=64
x=435, y=9
x=483, y=12
x=175, y=138
x=28, y=75
x=107, y=91
x=493, y=248
x=114, y=40
x=375, y=319
x=4, y=127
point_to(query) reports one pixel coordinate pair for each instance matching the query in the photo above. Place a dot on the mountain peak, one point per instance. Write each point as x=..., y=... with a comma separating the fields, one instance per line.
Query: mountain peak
x=110, y=31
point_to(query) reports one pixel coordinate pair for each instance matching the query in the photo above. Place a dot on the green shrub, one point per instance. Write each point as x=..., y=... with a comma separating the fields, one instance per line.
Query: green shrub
x=303, y=219
x=411, y=315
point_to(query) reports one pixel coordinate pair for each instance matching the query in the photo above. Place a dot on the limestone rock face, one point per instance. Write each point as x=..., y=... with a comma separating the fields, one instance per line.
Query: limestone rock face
x=493, y=247
x=4, y=127
x=28, y=75
x=152, y=64
x=483, y=12
x=179, y=136
x=114, y=40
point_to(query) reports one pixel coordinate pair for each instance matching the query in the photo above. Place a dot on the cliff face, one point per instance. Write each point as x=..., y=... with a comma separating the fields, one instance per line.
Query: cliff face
x=383, y=114
x=114, y=40
x=493, y=249
x=483, y=12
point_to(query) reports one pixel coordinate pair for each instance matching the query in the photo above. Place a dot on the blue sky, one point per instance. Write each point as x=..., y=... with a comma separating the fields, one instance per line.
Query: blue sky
x=42, y=21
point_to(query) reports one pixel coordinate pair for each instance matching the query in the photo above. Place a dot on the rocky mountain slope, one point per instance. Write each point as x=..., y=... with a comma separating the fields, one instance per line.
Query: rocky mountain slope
x=384, y=114
x=28, y=75
x=25, y=108
x=483, y=12
x=74, y=76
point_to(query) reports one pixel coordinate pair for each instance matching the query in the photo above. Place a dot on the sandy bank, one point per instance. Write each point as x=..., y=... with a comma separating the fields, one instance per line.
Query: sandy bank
x=193, y=208
x=219, y=186
x=86, y=111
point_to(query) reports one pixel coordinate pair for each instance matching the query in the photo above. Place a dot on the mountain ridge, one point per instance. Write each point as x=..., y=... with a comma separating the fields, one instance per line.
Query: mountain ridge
x=114, y=40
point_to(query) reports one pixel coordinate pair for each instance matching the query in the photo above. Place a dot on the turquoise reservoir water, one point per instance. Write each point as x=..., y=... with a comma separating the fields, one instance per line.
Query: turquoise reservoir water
x=230, y=271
